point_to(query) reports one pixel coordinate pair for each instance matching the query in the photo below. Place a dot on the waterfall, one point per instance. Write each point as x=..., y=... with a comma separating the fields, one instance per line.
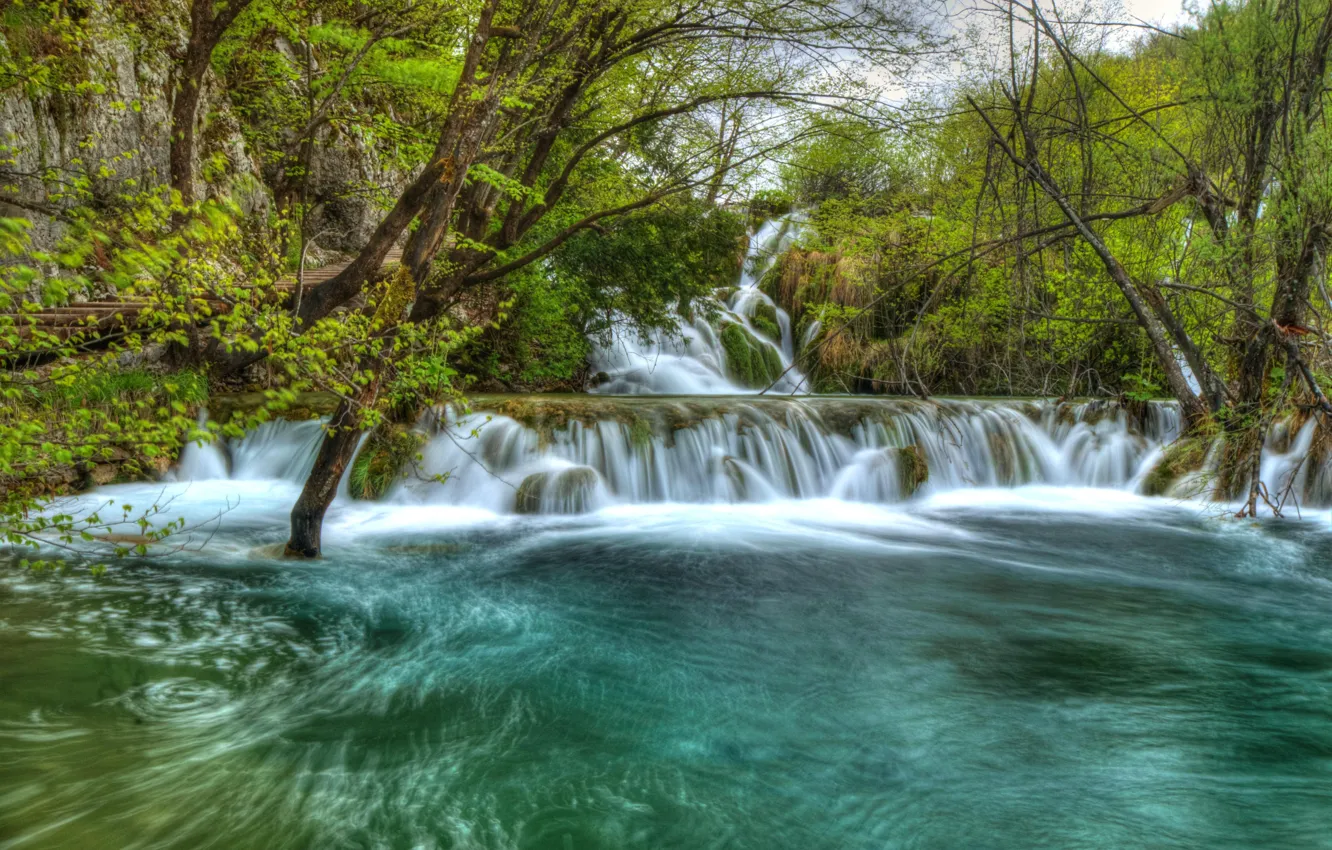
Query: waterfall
x=543, y=454
x=669, y=422
x=693, y=359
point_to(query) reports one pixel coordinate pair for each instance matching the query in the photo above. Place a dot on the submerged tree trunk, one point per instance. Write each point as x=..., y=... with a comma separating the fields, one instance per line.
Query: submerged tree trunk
x=344, y=430
x=335, y=454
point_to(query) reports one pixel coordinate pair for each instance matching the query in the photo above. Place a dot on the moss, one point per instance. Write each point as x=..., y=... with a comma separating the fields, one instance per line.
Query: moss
x=382, y=460
x=912, y=469
x=765, y=322
x=771, y=282
x=566, y=491
x=749, y=361
x=640, y=432
x=1185, y=455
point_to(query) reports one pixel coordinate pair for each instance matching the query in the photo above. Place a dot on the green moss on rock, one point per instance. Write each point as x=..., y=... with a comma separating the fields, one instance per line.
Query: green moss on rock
x=912, y=469
x=564, y=491
x=765, y=322
x=382, y=461
x=1185, y=455
x=750, y=362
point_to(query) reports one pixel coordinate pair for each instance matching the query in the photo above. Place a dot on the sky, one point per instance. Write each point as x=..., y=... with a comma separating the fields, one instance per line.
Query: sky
x=1156, y=11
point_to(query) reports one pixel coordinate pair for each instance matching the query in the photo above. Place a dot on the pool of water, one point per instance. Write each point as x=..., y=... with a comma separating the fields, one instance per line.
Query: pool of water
x=1032, y=668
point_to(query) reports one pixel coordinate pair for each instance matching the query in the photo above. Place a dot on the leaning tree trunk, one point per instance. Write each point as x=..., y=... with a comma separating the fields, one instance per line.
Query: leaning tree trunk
x=1192, y=407
x=343, y=433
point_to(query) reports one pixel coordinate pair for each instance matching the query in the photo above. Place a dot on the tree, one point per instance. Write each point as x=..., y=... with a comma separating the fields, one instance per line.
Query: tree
x=1247, y=175
x=559, y=96
x=209, y=22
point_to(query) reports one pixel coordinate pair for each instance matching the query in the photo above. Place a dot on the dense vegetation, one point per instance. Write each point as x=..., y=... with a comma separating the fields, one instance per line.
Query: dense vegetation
x=1148, y=220
x=1077, y=215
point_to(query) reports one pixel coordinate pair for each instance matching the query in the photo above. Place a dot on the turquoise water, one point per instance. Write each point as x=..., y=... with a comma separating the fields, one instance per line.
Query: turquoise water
x=1033, y=669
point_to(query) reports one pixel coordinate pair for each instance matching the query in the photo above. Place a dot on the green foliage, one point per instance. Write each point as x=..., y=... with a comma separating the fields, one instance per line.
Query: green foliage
x=851, y=159
x=545, y=339
x=1140, y=387
x=769, y=203
x=645, y=265
x=631, y=276
x=43, y=46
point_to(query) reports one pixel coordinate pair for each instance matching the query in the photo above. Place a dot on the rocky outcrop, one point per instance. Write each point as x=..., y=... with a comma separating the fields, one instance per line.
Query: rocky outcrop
x=103, y=131
x=574, y=490
x=750, y=362
x=108, y=132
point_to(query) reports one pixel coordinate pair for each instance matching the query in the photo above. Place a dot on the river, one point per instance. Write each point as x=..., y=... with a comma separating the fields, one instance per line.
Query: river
x=1039, y=667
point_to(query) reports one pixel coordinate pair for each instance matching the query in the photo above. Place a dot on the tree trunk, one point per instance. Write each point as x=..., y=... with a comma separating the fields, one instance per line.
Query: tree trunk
x=184, y=111
x=206, y=30
x=1213, y=388
x=435, y=188
x=1191, y=405
x=335, y=454
x=344, y=428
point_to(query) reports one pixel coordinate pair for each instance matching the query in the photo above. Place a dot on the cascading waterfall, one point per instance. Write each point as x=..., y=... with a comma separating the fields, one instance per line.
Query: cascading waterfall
x=534, y=454
x=709, y=438
x=693, y=359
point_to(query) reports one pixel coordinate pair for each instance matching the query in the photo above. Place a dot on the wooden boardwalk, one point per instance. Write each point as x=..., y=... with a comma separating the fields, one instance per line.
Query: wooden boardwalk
x=92, y=320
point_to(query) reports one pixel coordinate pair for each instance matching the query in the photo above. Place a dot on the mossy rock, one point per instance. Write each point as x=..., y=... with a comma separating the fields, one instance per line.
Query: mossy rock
x=765, y=322
x=1185, y=455
x=771, y=282
x=912, y=469
x=750, y=362
x=382, y=461
x=563, y=491
x=640, y=433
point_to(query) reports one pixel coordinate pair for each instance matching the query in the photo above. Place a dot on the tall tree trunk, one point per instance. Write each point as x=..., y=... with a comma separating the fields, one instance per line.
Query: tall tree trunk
x=1191, y=405
x=428, y=191
x=207, y=27
x=1213, y=388
x=465, y=132
x=343, y=433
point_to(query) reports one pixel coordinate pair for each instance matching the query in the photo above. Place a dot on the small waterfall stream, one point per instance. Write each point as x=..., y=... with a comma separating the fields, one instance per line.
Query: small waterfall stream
x=693, y=359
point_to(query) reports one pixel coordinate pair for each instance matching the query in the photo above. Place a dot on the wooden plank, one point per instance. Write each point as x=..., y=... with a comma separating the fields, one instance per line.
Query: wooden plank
x=92, y=317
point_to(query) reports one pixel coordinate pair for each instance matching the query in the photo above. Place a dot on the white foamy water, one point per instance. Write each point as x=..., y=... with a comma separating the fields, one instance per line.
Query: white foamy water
x=574, y=455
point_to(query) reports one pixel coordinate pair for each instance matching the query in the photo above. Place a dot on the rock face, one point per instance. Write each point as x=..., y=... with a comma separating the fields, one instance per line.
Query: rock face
x=113, y=130
x=111, y=126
